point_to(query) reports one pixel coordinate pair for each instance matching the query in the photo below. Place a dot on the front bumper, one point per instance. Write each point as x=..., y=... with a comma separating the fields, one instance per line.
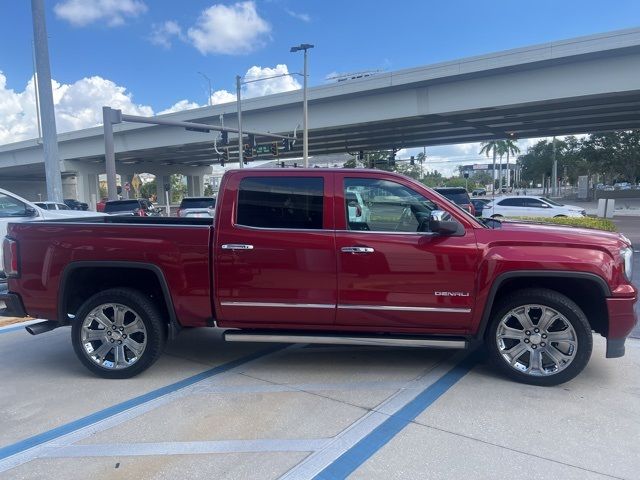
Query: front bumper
x=622, y=320
x=10, y=303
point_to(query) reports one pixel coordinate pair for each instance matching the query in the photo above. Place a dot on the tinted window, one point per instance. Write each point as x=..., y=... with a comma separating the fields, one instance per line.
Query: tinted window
x=512, y=202
x=461, y=198
x=532, y=202
x=383, y=206
x=10, y=207
x=198, y=202
x=285, y=202
x=121, y=206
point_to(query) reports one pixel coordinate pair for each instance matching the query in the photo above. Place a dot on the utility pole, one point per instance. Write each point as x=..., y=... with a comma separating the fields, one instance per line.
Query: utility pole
x=554, y=172
x=305, y=112
x=209, y=82
x=47, y=112
x=240, y=145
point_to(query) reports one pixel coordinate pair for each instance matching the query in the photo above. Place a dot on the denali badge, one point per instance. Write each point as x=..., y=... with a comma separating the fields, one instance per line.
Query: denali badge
x=451, y=294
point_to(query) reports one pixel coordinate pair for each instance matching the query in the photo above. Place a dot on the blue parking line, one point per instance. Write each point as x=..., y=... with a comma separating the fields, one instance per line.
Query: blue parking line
x=353, y=458
x=11, y=329
x=57, y=432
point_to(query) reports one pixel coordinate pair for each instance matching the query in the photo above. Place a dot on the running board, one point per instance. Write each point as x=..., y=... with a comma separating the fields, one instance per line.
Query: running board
x=381, y=341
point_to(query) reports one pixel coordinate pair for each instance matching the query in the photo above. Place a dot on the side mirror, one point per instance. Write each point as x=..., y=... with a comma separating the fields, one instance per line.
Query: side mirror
x=30, y=212
x=443, y=223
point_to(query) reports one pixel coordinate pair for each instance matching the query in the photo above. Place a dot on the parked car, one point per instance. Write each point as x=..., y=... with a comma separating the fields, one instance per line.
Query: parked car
x=477, y=192
x=459, y=196
x=15, y=209
x=529, y=206
x=282, y=263
x=357, y=209
x=52, y=206
x=478, y=205
x=74, y=204
x=197, y=207
x=140, y=207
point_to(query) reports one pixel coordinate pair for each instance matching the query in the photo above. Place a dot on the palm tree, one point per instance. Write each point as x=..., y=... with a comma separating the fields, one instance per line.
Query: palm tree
x=487, y=148
x=511, y=147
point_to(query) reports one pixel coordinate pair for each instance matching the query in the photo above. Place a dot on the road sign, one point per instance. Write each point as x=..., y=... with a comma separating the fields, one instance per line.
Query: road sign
x=263, y=150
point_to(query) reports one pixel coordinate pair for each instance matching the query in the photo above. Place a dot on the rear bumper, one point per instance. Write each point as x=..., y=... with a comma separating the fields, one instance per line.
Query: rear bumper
x=622, y=320
x=10, y=303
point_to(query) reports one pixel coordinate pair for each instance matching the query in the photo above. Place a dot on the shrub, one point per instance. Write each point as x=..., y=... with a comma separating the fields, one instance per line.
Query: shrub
x=582, y=222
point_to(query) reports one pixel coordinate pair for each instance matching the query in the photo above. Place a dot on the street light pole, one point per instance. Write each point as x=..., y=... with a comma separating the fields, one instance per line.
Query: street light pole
x=238, y=87
x=47, y=112
x=554, y=171
x=209, y=81
x=305, y=112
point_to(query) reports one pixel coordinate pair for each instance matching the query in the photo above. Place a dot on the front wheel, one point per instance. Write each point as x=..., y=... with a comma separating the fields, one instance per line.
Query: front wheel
x=118, y=333
x=539, y=337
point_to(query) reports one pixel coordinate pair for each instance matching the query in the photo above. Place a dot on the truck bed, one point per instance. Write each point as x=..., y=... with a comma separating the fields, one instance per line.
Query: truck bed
x=71, y=253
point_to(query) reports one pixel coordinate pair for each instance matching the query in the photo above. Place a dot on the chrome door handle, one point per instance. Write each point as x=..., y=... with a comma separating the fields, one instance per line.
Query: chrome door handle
x=357, y=250
x=237, y=246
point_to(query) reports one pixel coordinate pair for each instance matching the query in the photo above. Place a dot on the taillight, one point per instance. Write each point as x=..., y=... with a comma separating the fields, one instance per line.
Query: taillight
x=10, y=257
x=139, y=212
x=179, y=213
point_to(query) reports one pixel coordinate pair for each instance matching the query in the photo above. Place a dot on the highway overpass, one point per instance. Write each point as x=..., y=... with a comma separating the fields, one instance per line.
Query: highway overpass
x=581, y=85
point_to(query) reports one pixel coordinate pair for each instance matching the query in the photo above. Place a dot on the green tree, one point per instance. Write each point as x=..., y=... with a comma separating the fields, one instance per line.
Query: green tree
x=178, y=188
x=511, y=148
x=148, y=189
x=491, y=146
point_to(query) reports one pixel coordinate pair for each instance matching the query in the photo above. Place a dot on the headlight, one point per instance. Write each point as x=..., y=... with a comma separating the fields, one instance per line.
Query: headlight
x=627, y=257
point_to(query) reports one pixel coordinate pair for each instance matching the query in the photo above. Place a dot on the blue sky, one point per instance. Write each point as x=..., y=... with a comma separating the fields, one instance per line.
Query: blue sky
x=148, y=52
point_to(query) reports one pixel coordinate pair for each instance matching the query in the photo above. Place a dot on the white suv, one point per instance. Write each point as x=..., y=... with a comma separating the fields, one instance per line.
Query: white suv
x=529, y=206
x=16, y=209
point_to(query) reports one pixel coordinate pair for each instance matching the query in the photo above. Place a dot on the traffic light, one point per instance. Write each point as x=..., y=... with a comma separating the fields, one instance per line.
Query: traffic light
x=247, y=151
x=361, y=155
x=413, y=160
x=286, y=144
x=224, y=157
x=392, y=159
x=281, y=164
x=295, y=164
x=274, y=149
x=224, y=140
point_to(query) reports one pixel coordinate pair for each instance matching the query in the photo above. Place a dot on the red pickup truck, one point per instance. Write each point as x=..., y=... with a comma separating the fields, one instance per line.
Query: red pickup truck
x=288, y=258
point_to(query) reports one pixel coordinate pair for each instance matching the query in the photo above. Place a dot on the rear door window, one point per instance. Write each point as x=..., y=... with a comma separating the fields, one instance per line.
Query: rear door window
x=281, y=202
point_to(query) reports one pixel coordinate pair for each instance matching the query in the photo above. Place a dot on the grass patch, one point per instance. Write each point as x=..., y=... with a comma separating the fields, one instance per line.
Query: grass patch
x=582, y=222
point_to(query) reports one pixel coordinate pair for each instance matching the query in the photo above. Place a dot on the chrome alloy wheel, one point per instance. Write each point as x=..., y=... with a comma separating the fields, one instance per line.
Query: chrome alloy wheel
x=536, y=340
x=113, y=336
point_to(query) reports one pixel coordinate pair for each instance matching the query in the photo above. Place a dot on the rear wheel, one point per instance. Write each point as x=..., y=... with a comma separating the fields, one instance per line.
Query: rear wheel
x=118, y=333
x=539, y=337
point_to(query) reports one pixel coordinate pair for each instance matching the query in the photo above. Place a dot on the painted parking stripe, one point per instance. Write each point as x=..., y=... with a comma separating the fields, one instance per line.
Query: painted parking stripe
x=353, y=458
x=344, y=443
x=69, y=428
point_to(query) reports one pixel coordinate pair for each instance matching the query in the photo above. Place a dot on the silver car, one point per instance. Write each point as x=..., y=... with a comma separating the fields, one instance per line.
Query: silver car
x=197, y=207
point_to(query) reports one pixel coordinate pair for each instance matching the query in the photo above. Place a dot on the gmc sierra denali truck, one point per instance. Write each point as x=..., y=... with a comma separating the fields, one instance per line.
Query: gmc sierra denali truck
x=288, y=258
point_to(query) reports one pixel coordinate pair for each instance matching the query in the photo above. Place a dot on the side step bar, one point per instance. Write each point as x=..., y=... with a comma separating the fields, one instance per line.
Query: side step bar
x=41, y=327
x=381, y=341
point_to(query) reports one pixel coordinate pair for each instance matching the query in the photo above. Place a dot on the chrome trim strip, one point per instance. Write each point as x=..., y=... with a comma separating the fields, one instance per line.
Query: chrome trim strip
x=277, y=305
x=338, y=340
x=237, y=246
x=405, y=309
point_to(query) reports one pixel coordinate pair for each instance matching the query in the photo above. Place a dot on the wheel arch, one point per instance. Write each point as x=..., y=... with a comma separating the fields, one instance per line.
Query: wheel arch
x=593, y=292
x=144, y=277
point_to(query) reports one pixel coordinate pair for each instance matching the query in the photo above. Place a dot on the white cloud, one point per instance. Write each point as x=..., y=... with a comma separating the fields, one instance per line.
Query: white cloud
x=259, y=89
x=305, y=17
x=81, y=13
x=78, y=105
x=179, y=106
x=163, y=34
x=229, y=30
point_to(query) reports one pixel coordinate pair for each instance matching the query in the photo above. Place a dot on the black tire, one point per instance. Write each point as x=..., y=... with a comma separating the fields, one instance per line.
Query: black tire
x=153, y=334
x=497, y=216
x=568, y=314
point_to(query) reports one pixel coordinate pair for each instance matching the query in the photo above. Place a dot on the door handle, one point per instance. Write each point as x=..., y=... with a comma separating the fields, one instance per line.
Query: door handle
x=357, y=250
x=237, y=246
